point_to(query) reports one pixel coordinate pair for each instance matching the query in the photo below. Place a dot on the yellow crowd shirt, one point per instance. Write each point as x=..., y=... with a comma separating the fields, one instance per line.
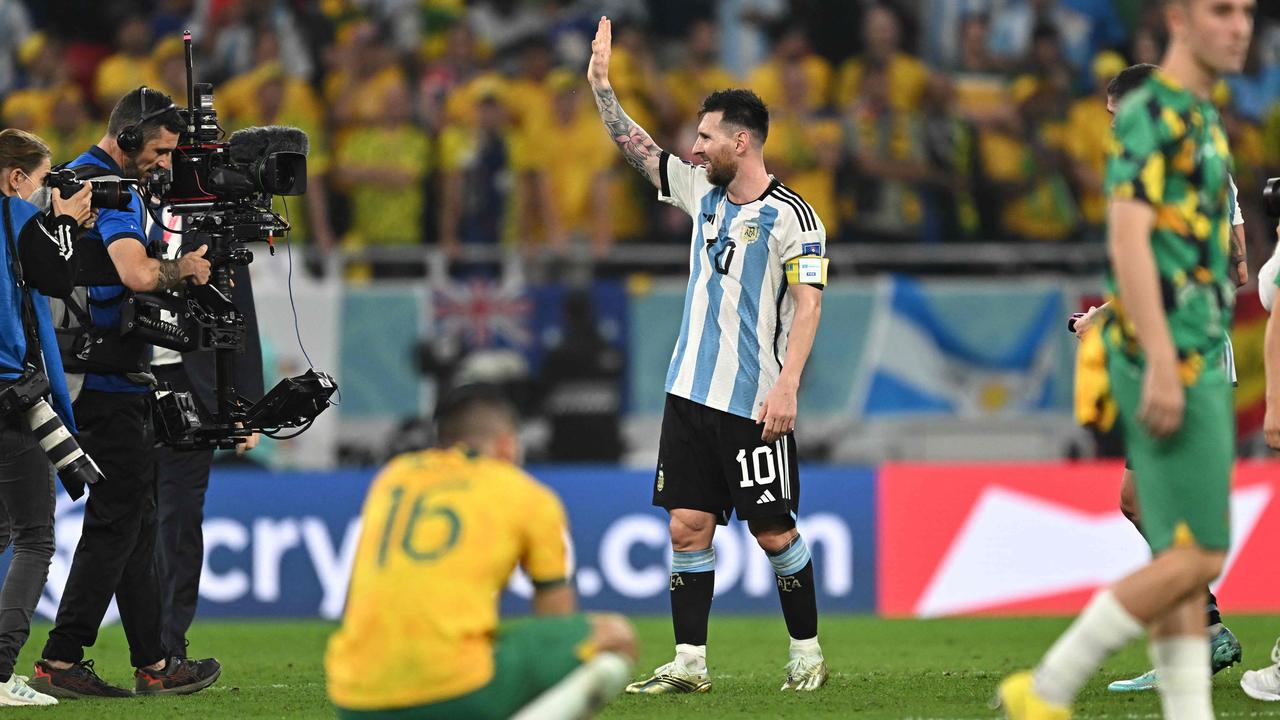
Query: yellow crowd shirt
x=387, y=212
x=442, y=531
x=767, y=81
x=1088, y=139
x=907, y=79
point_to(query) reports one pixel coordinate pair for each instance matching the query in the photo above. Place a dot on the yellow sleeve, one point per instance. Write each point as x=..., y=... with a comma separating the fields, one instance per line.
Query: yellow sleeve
x=1002, y=156
x=454, y=148
x=547, y=546
x=849, y=81
x=915, y=75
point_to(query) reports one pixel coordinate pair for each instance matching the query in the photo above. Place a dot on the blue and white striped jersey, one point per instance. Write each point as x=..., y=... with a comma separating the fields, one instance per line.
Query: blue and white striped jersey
x=737, y=312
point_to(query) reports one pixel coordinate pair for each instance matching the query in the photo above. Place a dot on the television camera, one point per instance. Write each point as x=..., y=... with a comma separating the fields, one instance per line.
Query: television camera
x=222, y=191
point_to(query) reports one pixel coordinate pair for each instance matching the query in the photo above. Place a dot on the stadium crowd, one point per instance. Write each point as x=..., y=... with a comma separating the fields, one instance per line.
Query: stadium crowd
x=451, y=123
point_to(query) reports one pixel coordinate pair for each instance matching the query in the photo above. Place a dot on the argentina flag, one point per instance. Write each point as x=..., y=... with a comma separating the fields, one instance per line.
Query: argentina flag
x=925, y=359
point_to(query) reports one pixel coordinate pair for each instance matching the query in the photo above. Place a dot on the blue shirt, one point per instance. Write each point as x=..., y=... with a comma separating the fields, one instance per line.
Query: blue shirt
x=112, y=225
x=13, y=337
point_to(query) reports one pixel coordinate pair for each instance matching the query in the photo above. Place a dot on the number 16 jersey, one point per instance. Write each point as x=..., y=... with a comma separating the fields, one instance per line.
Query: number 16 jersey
x=737, y=312
x=441, y=532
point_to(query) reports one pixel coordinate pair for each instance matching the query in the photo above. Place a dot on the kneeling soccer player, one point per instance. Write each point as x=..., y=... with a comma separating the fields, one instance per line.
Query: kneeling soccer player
x=442, y=531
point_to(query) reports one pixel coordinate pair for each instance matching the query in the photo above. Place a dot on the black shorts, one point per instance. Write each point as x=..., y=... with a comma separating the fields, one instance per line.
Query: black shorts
x=713, y=461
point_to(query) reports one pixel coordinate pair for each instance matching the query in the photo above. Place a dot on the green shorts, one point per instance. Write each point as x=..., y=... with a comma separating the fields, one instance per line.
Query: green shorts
x=529, y=656
x=1184, y=481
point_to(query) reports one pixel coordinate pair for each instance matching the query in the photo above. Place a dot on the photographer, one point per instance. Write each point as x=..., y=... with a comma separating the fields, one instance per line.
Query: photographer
x=116, y=553
x=43, y=263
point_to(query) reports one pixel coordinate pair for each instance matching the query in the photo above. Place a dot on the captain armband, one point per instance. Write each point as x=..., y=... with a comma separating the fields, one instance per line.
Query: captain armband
x=807, y=270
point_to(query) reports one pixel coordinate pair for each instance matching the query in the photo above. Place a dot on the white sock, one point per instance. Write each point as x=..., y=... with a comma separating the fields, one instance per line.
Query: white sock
x=805, y=647
x=693, y=657
x=582, y=691
x=1101, y=629
x=1182, y=663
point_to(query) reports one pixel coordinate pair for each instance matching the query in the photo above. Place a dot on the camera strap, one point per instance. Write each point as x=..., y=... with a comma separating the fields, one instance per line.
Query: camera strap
x=28, y=317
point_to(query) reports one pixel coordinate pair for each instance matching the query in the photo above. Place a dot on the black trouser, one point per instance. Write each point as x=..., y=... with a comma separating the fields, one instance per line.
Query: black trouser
x=182, y=477
x=26, y=521
x=116, y=553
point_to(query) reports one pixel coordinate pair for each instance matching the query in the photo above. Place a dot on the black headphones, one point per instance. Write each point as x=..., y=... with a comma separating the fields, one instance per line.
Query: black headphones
x=129, y=139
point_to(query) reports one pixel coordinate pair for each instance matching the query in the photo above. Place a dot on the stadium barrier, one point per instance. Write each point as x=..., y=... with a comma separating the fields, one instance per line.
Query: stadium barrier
x=902, y=540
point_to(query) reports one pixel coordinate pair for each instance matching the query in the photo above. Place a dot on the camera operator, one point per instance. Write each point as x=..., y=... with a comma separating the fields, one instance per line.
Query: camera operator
x=116, y=553
x=182, y=476
x=43, y=264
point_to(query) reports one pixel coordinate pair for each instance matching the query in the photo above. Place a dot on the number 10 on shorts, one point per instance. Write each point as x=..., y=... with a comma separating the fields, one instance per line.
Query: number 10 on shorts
x=764, y=472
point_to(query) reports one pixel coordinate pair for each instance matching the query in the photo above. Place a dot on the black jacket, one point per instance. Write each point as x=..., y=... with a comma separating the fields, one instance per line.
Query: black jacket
x=201, y=365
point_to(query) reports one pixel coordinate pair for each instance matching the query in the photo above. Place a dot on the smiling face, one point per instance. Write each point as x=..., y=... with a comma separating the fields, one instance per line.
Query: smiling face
x=719, y=147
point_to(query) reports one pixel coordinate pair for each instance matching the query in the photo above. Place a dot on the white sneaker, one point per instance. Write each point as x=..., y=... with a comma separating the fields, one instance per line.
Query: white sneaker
x=673, y=677
x=15, y=691
x=1264, y=684
x=805, y=672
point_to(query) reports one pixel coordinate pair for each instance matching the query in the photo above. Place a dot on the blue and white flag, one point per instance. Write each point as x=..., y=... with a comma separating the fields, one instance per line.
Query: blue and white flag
x=922, y=362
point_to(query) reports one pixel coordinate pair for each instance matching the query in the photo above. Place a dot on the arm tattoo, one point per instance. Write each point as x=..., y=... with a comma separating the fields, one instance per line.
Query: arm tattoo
x=636, y=145
x=168, y=276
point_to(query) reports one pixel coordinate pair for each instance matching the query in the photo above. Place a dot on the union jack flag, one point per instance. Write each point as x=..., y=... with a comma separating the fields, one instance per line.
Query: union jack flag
x=482, y=313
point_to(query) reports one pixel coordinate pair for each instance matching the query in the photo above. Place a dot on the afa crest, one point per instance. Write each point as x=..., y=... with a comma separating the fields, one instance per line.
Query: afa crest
x=750, y=231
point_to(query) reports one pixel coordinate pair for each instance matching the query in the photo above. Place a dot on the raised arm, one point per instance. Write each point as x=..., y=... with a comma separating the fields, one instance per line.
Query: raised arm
x=640, y=151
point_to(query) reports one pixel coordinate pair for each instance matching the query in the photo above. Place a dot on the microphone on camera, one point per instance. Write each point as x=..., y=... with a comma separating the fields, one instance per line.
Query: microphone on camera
x=249, y=144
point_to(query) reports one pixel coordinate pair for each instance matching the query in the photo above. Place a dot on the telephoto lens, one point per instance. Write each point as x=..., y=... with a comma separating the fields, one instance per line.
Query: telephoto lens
x=60, y=445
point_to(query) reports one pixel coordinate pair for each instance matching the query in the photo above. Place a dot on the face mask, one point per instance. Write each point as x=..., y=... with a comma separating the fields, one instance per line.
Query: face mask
x=41, y=198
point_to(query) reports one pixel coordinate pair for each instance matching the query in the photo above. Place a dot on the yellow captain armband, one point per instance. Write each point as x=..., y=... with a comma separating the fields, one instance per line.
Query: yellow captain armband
x=807, y=270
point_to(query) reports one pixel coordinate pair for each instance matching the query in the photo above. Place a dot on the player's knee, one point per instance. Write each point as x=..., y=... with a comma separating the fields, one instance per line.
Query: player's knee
x=1129, y=499
x=611, y=632
x=772, y=536
x=1199, y=566
x=1211, y=563
x=1131, y=513
x=691, y=531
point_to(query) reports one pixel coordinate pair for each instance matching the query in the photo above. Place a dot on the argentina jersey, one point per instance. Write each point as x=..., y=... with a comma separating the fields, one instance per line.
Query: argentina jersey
x=737, y=313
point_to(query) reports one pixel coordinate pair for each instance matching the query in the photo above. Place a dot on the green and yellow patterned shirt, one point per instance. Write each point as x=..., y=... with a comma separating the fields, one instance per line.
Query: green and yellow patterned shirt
x=1170, y=151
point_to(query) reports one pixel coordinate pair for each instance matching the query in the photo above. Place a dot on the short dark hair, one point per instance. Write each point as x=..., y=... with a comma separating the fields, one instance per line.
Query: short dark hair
x=473, y=414
x=128, y=111
x=740, y=107
x=1129, y=79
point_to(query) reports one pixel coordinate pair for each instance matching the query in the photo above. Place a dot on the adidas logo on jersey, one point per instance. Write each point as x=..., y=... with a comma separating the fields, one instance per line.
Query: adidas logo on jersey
x=709, y=218
x=767, y=497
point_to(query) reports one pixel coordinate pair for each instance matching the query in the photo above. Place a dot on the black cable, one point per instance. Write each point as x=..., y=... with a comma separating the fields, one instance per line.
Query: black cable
x=288, y=246
x=275, y=435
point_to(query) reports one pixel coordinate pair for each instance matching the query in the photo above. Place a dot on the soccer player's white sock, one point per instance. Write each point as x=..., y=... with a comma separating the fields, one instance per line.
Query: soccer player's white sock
x=808, y=647
x=693, y=657
x=582, y=691
x=1102, y=628
x=1182, y=664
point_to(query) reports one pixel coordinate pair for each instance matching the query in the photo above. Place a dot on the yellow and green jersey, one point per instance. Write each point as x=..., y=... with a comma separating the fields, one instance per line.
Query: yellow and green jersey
x=1170, y=151
x=442, y=531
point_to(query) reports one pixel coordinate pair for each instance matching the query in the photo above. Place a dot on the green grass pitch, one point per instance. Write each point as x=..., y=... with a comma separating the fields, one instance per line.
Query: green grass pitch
x=880, y=669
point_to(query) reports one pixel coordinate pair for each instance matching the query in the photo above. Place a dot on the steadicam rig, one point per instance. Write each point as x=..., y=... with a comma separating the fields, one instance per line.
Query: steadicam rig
x=222, y=193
